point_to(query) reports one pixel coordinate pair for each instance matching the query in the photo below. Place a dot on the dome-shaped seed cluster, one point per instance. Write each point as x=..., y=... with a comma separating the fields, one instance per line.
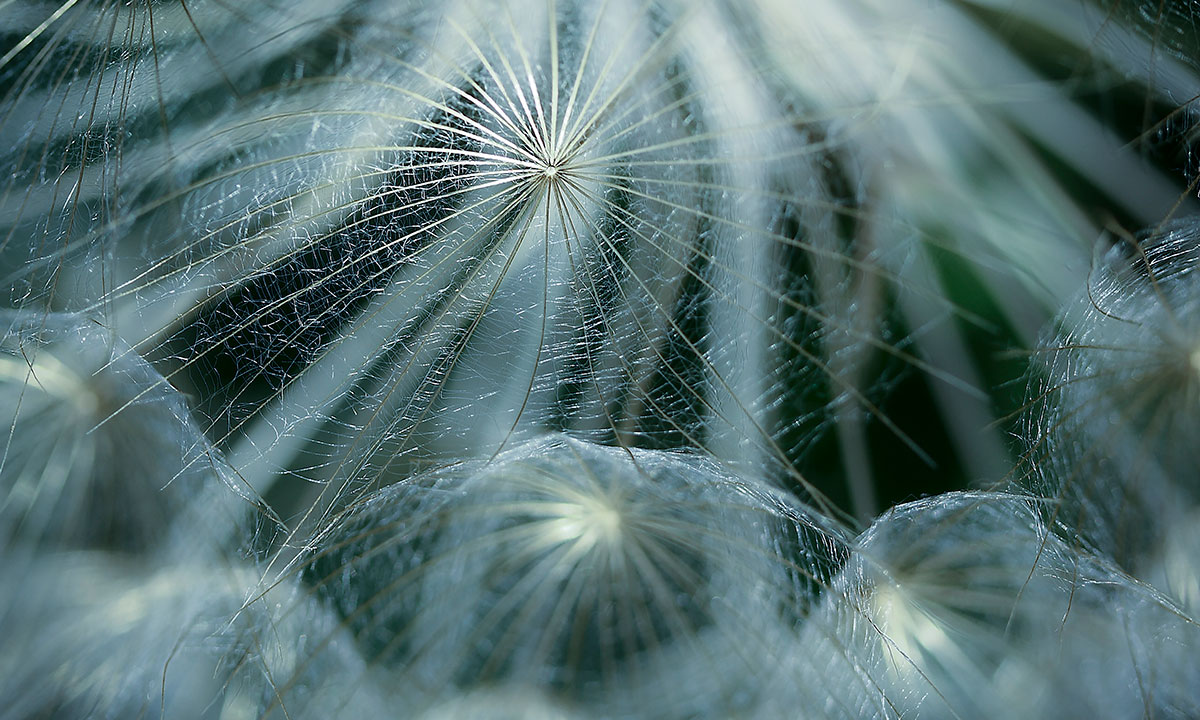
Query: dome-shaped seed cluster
x=618, y=581
x=617, y=359
x=1115, y=407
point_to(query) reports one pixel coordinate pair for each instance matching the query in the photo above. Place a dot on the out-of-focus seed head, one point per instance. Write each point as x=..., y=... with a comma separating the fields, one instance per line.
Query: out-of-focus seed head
x=98, y=451
x=1115, y=404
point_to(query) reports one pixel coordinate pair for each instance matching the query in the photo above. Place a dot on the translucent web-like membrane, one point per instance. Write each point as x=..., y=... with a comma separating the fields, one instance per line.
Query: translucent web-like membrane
x=612, y=582
x=74, y=472
x=966, y=605
x=383, y=238
x=1115, y=403
x=491, y=222
x=95, y=97
x=516, y=316
x=92, y=634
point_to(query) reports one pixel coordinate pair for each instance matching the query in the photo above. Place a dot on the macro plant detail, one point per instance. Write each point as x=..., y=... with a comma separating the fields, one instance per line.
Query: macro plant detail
x=976, y=610
x=638, y=358
x=587, y=222
x=623, y=581
x=1124, y=364
x=79, y=474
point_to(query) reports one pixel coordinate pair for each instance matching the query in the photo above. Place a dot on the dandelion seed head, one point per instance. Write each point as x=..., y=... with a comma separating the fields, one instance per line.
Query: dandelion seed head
x=98, y=451
x=1114, y=403
x=525, y=324
x=966, y=605
x=610, y=579
x=87, y=630
x=470, y=225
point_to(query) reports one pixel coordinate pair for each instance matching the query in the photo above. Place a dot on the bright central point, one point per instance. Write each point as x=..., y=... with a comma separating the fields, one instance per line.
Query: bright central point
x=550, y=171
x=606, y=522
